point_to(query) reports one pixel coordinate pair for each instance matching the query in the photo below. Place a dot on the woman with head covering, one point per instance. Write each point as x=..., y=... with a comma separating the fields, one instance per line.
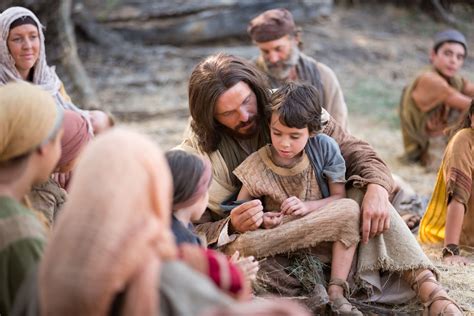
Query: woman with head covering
x=23, y=57
x=116, y=221
x=49, y=197
x=30, y=133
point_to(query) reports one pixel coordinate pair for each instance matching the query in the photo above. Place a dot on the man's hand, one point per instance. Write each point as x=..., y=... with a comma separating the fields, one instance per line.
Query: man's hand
x=294, y=206
x=375, y=212
x=247, y=216
x=271, y=219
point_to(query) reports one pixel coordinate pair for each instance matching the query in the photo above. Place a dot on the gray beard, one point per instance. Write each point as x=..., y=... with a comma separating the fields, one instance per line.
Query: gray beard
x=282, y=70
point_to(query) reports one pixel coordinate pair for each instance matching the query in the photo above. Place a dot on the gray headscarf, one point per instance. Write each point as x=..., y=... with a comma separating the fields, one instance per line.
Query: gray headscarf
x=43, y=76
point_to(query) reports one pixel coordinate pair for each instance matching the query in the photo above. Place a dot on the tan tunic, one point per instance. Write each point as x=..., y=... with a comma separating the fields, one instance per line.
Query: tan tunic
x=424, y=112
x=275, y=184
x=363, y=166
x=48, y=198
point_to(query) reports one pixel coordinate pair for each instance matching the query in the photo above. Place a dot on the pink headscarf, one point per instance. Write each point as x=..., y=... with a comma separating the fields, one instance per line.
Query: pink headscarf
x=113, y=232
x=75, y=137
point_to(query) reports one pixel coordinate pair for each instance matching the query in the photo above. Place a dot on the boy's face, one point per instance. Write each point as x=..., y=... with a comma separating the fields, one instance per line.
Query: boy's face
x=288, y=142
x=448, y=59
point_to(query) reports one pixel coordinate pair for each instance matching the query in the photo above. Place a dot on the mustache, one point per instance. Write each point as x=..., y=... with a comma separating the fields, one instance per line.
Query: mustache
x=247, y=123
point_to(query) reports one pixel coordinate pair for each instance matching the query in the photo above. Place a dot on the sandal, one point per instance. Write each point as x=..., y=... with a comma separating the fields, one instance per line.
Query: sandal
x=434, y=295
x=336, y=306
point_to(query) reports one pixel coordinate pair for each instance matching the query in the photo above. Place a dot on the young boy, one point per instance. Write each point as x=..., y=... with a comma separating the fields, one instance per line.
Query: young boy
x=282, y=174
x=30, y=146
x=434, y=100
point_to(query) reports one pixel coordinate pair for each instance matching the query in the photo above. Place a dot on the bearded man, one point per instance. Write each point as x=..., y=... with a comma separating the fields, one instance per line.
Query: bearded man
x=228, y=102
x=279, y=40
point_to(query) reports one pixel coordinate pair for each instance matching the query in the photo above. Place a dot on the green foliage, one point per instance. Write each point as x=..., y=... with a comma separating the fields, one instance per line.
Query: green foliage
x=376, y=99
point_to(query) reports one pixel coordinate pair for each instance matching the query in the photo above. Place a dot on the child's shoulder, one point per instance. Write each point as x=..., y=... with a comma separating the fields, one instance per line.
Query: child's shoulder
x=323, y=140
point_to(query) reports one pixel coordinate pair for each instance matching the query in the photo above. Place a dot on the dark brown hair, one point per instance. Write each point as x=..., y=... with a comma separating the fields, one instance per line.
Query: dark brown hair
x=298, y=105
x=209, y=80
x=465, y=122
x=186, y=170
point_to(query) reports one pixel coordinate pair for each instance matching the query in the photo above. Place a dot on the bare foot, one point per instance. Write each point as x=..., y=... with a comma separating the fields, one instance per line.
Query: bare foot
x=336, y=298
x=456, y=260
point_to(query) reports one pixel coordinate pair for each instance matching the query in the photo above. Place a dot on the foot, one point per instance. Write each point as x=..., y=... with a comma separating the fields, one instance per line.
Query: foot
x=411, y=219
x=433, y=296
x=339, y=304
x=456, y=260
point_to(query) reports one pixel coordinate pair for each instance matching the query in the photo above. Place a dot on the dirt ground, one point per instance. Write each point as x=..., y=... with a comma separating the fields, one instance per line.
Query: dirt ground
x=373, y=50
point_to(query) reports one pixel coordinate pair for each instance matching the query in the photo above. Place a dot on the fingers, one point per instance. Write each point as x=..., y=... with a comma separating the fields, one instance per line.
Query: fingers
x=235, y=257
x=366, y=225
x=247, y=216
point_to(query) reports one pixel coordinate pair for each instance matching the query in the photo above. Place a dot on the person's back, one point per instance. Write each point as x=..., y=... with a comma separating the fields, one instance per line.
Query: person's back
x=30, y=129
x=434, y=100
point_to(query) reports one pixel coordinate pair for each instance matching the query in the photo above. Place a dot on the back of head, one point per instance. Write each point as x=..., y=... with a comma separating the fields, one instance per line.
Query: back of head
x=209, y=80
x=449, y=36
x=298, y=105
x=191, y=177
x=113, y=230
x=29, y=118
x=271, y=25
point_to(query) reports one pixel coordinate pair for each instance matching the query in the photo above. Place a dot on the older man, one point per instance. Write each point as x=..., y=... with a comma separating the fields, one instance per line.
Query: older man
x=279, y=40
x=227, y=100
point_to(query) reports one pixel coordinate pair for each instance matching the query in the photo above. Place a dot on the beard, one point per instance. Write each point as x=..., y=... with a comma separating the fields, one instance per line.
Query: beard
x=249, y=133
x=281, y=70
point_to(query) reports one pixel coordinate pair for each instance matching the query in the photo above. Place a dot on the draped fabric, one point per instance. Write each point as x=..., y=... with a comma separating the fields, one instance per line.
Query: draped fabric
x=454, y=181
x=113, y=232
x=43, y=75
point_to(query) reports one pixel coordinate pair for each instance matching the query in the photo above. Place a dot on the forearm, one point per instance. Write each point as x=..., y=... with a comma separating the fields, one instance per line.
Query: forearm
x=363, y=164
x=454, y=220
x=314, y=206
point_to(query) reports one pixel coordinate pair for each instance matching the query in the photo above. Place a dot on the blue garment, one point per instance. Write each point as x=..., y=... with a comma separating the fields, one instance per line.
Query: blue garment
x=183, y=234
x=328, y=163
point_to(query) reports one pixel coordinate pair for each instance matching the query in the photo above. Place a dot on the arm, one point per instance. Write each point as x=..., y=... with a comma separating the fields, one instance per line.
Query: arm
x=296, y=207
x=365, y=169
x=432, y=90
x=333, y=97
x=468, y=88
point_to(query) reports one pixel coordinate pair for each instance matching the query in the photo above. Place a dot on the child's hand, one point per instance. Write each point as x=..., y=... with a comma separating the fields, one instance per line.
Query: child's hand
x=248, y=265
x=271, y=219
x=294, y=206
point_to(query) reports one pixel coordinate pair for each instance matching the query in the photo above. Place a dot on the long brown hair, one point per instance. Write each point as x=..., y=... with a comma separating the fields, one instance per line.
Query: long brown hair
x=465, y=122
x=209, y=80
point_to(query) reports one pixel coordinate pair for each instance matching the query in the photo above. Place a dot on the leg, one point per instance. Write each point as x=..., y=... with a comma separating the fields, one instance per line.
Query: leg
x=342, y=257
x=454, y=219
x=431, y=294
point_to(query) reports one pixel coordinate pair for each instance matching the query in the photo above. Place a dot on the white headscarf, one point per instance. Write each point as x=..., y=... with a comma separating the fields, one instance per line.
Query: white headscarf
x=43, y=75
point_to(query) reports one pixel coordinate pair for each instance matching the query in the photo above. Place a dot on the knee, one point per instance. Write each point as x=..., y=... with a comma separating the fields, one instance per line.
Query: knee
x=350, y=210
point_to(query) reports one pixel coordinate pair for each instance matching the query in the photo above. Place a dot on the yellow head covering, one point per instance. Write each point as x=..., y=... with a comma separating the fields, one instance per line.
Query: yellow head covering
x=28, y=118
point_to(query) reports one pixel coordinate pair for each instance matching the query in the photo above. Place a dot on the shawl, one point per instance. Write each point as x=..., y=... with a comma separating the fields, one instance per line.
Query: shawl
x=28, y=118
x=75, y=136
x=43, y=75
x=454, y=181
x=113, y=231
